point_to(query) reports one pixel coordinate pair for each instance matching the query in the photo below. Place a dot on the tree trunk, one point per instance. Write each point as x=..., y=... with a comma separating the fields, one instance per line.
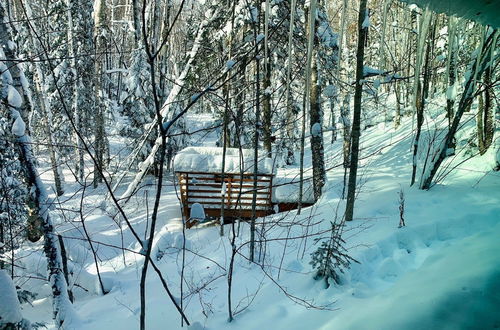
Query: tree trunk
x=346, y=146
x=418, y=94
x=137, y=22
x=256, y=135
x=266, y=85
x=485, y=125
x=100, y=31
x=356, y=123
x=290, y=106
x=61, y=304
x=316, y=126
x=483, y=56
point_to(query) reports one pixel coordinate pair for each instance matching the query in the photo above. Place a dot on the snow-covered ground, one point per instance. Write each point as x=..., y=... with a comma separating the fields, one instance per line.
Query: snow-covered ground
x=441, y=271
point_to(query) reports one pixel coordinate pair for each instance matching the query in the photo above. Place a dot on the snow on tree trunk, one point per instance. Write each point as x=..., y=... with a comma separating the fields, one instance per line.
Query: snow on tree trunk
x=451, y=68
x=80, y=41
x=310, y=31
x=418, y=104
x=40, y=78
x=64, y=314
x=316, y=120
x=482, y=59
x=290, y=113
x=100, y=140
x=10, y=308
x=266, y=101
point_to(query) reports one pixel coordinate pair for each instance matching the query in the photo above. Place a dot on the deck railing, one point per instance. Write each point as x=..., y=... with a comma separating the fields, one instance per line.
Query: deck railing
x=235, y=191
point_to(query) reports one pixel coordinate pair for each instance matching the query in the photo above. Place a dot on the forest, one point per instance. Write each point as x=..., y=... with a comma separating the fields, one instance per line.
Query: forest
x=248, y=164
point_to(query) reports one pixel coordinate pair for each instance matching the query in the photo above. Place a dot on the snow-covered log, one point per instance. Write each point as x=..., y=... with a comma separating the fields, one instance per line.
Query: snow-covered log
x=64, y=314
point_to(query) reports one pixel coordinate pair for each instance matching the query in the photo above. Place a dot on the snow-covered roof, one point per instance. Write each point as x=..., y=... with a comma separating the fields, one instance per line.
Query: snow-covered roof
x=209, y=159
x=486, y=12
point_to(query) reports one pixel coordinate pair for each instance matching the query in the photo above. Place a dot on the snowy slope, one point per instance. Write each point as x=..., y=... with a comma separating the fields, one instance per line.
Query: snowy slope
x=441, y=271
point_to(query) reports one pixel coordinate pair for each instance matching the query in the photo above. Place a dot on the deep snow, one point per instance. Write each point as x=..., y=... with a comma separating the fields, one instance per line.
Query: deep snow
x=441, y=271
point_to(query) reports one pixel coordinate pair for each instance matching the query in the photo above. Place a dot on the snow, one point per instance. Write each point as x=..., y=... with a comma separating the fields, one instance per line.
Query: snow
x=451, y=92
x=455, y=287
x=439, y=272
x=18, y=127
x=10, y=309
x=330, y=90
x=11, y=44
x=13, y=97
x=316, y=130
x=368, y=71
x=366, y=21
x=197, y=212
x=230, y=64
x=209, y=159
x=287, y=189
x=327, y=37
x=4, y=71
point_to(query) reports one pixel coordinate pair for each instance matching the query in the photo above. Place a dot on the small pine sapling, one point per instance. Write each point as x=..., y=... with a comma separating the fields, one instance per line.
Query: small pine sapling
x=401, y=195
x=331, y=258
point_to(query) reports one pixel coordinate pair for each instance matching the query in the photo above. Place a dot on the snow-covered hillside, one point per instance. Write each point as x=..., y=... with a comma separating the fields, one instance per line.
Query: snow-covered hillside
x=441, y=271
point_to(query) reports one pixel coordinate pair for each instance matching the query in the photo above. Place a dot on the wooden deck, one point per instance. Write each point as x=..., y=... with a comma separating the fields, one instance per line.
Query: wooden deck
x=235, y=192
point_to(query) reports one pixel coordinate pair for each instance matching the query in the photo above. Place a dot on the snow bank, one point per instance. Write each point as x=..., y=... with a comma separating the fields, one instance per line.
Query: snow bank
x=10, y=309
x=209, y=159
x=456, y=287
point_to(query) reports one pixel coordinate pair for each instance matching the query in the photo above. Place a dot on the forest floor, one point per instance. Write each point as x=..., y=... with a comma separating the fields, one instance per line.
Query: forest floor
x=440, y=271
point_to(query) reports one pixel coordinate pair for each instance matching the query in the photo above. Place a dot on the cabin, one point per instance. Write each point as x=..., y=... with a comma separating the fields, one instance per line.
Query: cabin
x=202, y=185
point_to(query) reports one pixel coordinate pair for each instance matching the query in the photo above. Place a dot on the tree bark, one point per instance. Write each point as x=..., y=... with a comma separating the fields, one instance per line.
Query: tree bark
x=419, y=93
x=266, y=99
x=61, y=304
x=356, y=123
x=256, y=134
x=316, y=122
x=100, y=30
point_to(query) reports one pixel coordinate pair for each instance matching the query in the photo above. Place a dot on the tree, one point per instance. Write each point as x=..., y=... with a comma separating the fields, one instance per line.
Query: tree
x=100, y=139
x=80, y=41
x=483, y=58
x=13, y=197
x=331, y=259
x=419, y=91
x=18, y=103
x=363, y=24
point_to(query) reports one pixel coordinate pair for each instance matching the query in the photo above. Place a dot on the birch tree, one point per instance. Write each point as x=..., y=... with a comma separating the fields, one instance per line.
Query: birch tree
x=18, y=103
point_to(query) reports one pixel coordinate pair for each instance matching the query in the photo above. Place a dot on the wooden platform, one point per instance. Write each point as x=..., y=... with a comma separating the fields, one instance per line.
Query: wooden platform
x=234, y=191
